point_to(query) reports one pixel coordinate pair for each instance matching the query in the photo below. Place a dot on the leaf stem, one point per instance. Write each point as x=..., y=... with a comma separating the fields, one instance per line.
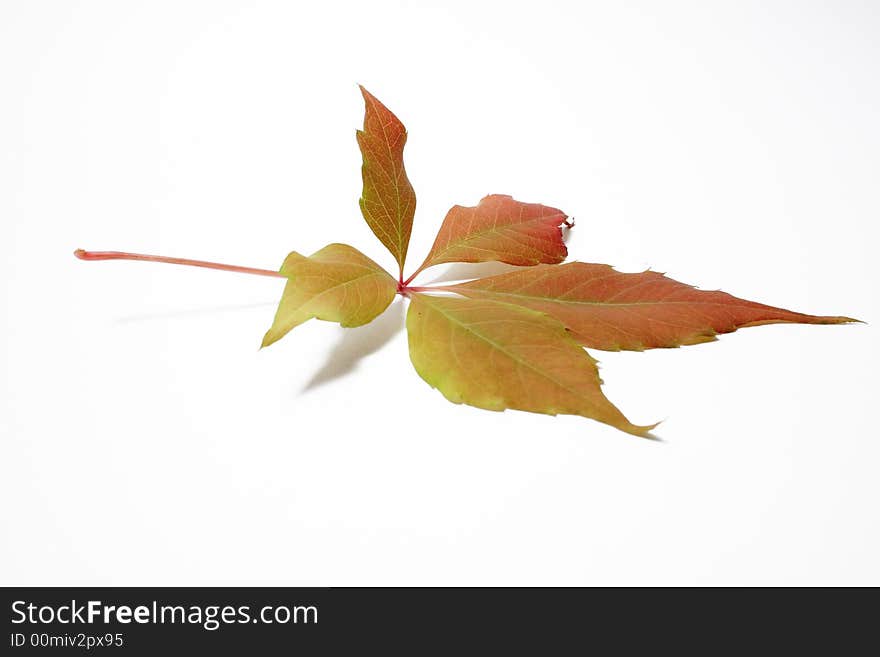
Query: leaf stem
x=119, y=255
x=427, y=288
x=403, y=287
x=410, y=279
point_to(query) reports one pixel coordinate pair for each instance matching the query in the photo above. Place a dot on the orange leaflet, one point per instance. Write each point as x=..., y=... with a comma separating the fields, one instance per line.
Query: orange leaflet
x=607, y=309
x=500, y=229
x=388, y=201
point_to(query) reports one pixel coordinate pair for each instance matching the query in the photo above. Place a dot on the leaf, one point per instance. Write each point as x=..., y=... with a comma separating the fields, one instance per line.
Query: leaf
x=510, y=341
x=607, y=309
x=336, y=284
x=496, y=356
x=388, y=201
x=500, y=229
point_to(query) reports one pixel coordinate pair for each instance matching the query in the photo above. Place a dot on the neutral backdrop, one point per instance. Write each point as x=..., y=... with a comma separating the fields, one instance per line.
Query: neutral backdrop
x=146, y=439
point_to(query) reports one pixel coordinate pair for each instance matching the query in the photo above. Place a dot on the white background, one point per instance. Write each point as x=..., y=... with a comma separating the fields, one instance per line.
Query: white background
x=146, y=440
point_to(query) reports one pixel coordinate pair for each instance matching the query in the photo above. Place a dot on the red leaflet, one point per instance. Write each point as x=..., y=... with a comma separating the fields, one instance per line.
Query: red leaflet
x=500, y=229
x=607, y=309
x=388, y=201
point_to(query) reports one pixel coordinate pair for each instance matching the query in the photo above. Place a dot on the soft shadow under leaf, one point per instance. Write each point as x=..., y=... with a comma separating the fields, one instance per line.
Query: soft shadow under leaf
x=356, y=343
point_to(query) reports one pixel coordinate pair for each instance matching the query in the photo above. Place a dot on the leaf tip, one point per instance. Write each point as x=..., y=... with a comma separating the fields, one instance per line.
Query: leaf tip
x=270, y=338
x=645, y=431
x=368, y=97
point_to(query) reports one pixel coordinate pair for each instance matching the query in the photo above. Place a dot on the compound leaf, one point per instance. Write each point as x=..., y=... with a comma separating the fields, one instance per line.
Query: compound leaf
x=496, y=356
x=388, y=201
x=336, y=284
x=607, y=309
